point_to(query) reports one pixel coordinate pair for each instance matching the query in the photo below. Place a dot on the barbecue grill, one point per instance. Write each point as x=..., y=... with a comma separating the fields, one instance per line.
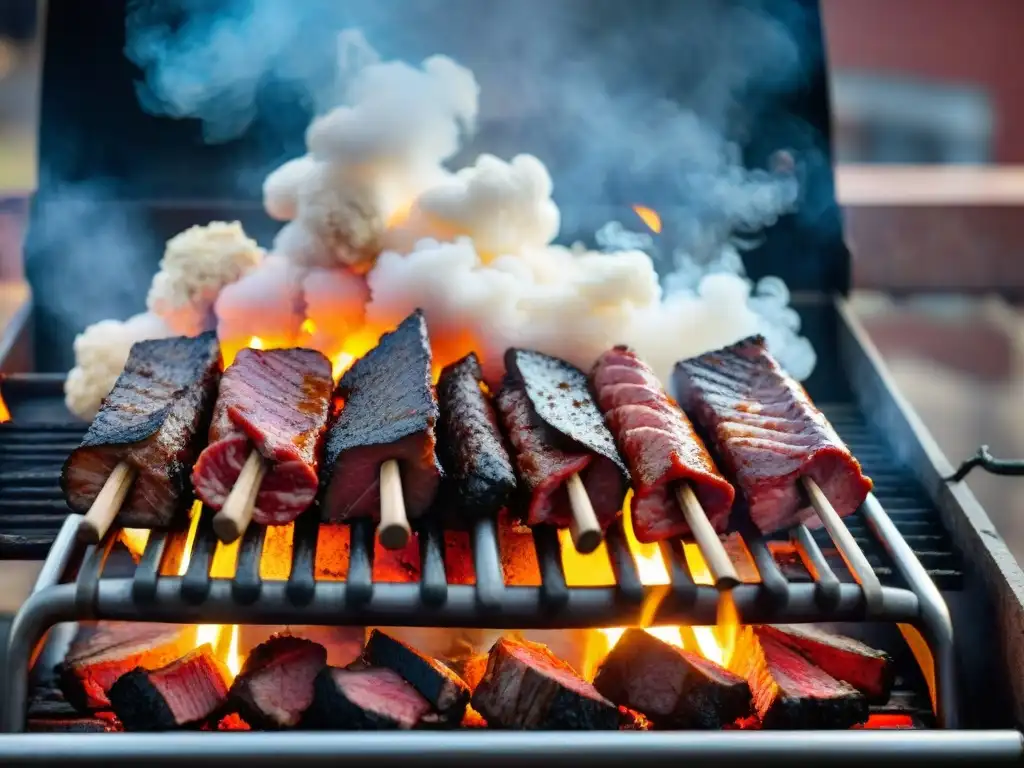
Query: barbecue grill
x=923, y=554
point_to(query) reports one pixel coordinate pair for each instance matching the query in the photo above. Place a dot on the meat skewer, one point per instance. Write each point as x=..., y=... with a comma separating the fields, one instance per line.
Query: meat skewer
x=380, y=458
x=674, y=478
x=268, y=426
x=561, y=443
x=786, y=458
x=135, y=459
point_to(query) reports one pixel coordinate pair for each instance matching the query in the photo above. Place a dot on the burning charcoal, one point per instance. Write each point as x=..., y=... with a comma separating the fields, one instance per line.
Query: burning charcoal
x=183, y=693
x=103, y=652
x=673, y=687
x=439, y=685
x=526, y=687
x=866, y=669
x=73, y=725
x=275, y=686
x=369, y=699
x=473, y=719
x=790, y=692
x=631, y=720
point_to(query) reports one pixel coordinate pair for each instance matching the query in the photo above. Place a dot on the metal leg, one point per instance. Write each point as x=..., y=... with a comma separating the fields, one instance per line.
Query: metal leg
x=935, y=617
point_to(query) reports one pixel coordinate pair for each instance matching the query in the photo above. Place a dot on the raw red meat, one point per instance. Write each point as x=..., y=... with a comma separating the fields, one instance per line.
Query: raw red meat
x=277, y=402
x=275, y=686
x=660, y=446
x=768, y=434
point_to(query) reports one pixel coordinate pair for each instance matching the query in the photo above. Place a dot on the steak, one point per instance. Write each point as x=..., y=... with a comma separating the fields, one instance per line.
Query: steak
x=768, y=434
x=526, y=687
x=661, y=449
x=789, y=691
x=444, y=690
x=72, y=725
x=866, y=669
x=557, y=431
x=364, y=699
x=390, y=412
x=673, y=687
x=155, y=419
x=479, y=477
x=277, y=402
x=275, y=686
x=103, y=652
x=184, y=693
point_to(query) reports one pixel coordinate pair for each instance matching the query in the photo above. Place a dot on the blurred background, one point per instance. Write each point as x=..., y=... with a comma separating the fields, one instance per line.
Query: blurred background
x=929, y=133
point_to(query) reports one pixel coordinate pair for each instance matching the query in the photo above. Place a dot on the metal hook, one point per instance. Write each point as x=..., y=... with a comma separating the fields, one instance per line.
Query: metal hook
x=985, y=460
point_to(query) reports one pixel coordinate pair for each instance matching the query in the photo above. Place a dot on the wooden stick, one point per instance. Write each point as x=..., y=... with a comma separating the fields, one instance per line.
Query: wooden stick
x=851, y=552
x=585, y=529
x=104, y=509
x=236, y=514
x=718, y=561
x=393, y=532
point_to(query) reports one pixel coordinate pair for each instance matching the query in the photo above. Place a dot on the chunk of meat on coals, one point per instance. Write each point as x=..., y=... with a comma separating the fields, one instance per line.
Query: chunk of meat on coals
x=673, y=687
x=102, y=652
x=661, y=449
x=768, y=434
x=789, y=691
x=184, y=693
x=526, y=687
x=867, y=669
x=445, y=691
x=154, y=419
x=371, y=698
x=276, y=402
x=390, y=413
x=479, y=477
x=275, y=686
x=546, y=459
x=73, y=725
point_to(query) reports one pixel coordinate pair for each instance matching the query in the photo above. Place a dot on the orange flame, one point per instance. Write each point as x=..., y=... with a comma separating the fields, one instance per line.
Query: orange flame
x=5, y=414
x=650, y=217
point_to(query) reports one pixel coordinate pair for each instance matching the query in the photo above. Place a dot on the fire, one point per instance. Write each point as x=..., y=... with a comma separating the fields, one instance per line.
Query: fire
x=355, y=346
x=308, y=327
x=5, y=414
x=650, y=217
x=255, y=342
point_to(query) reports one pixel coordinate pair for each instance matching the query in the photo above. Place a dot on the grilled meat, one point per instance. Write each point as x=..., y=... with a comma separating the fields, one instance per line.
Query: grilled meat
x=557, y=431
x=276, y=402
x=526, y=687
x=673, y=687
x=479, y=478
x=660, y=447
x=768, y=434
x=275, y=686
x=367, y=699
x=155, y=419
x=390, y=412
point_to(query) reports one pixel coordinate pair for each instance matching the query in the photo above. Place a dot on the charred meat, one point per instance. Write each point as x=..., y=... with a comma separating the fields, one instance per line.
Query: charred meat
x=660, y=446
x=673, y=687
x=557, y=431
x=184, y=693
x=275, y=686
x=479, y=477
x=276, y=402
x=371, y=699
x=526, y=687
x=390, y=413
x=768, y=434
x=155, y=419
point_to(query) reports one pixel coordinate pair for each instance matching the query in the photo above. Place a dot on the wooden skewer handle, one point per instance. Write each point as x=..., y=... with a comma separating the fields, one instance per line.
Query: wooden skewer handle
x=718, y=561
x=236, y=514
x=585, y=528
x=104, y=509
x=394, y=530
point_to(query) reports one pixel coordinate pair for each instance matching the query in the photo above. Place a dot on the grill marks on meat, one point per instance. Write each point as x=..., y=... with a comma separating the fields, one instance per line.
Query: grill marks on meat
x=526, y=687
x=556, y=431
x=184, y=693
x=866, y=669
x=155, y=419
x=367, y=699
x=277, y=402
x=275, y=687
x=660, y=446
x=674, y=688
x=390, y=412
x=444, y=690
x=789, y=691
x=768, y=434
x=479, y=477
